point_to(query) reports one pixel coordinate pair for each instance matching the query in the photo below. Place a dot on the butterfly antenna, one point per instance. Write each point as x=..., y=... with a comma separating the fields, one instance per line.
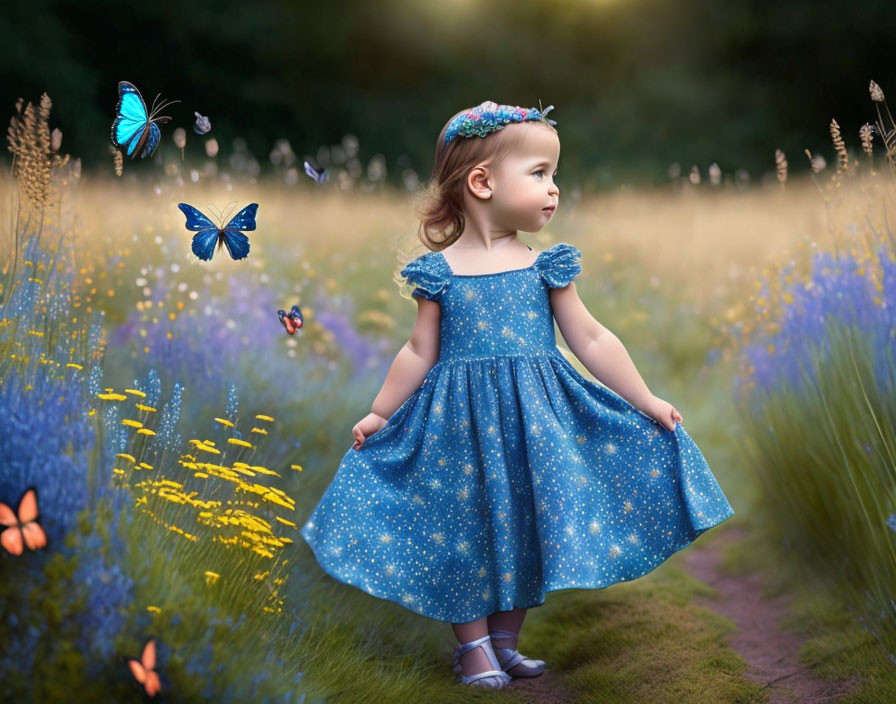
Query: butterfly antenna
x=212, y=208
x=230, y=208
x=158, y=108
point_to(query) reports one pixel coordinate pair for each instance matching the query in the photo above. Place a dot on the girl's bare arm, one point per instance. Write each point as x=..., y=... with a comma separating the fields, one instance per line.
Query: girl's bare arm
x=413, y=361
x=602, y=353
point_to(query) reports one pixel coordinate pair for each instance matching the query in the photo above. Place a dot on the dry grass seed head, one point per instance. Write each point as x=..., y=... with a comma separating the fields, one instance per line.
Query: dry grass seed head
x=35, y=150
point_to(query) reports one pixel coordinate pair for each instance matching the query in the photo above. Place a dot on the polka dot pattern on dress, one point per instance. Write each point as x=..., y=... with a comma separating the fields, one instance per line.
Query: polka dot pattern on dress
x=507, y=475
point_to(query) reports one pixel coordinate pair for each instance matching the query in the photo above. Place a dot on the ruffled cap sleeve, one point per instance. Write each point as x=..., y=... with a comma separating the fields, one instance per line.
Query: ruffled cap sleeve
x=559, y=265
x=427, y=275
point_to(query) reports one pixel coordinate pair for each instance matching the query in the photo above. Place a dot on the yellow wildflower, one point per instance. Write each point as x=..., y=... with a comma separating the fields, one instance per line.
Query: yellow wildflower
x=237, y=441
x=224, y=421
x=154, y=609
x=112, y=397
x=296, y=467
x=206, y=448
x=116, y=470
x=201, y=475
x=146, y=431
x=148, y=409
x=132, y=423
x=264, y=417
x=135, y=392
x=127, y=457
x=211, y=577
x=264, y=470
x=143, y=465
x=74, y=366
x=260, y=431
x=284, y=521
x=274, y=499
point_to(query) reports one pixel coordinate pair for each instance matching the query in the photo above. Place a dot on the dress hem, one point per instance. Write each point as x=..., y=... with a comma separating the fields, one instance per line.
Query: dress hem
x=697, y=532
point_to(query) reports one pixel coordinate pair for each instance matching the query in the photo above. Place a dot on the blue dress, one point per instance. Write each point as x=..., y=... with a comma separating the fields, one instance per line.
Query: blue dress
x=506, y=474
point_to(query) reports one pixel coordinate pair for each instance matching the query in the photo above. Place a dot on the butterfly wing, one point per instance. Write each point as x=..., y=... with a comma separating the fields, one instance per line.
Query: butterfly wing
x=11, y=536
x=202, y=124
x=287, y=321
x=295, y=315
x=319, y=176
x=152, y=684
x=155, y=134
x=32, y=533
x=34, y=536
x=7, y=517
x=243, y=220
x=12, y=540
x=203, y=244
x=237, y=243
x=137, y=670
x=131, y=118
x=196, y=221
x=148, y=657
x=28, y=506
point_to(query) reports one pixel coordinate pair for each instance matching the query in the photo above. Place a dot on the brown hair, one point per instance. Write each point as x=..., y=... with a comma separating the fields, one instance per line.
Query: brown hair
x=441, y=210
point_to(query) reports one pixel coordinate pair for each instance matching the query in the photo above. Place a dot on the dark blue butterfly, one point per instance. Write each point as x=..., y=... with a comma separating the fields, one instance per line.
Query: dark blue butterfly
x=208, y=234
x=319, y=176
x=135, y=129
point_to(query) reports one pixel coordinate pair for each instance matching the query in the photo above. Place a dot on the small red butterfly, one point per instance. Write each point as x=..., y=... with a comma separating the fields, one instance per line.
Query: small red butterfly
x=293, y=320
x=144, y=669
x=22, y=530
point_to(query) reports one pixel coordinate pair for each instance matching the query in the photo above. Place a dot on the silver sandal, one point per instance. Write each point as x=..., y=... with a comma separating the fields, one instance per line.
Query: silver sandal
x=496, y=677
x=510, y=658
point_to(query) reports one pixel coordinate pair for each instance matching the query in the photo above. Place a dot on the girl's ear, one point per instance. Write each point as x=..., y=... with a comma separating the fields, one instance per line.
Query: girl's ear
x=478, y=182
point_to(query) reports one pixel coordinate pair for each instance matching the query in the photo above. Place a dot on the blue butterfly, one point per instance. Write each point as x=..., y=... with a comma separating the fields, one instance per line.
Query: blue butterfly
x=202, y=125
x=134, y=128
x=207, y=233
x=318, y=175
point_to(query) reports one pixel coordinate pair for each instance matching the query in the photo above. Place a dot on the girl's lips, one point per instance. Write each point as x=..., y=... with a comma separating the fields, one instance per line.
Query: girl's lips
x=549, y=210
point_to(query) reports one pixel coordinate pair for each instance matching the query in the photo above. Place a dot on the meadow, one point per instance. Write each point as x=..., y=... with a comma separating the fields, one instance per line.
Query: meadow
x=177, y=436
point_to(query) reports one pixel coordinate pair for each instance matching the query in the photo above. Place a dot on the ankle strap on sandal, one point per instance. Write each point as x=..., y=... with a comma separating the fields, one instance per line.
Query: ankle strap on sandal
x=498, y=633
x=486, y=644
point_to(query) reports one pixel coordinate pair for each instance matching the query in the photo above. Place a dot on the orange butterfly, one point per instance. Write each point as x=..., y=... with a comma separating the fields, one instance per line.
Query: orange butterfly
x=144, y=669
x=22, y=530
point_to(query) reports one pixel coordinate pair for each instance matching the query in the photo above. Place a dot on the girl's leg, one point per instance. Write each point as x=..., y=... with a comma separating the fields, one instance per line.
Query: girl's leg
x=506, y=621
x=473, y=661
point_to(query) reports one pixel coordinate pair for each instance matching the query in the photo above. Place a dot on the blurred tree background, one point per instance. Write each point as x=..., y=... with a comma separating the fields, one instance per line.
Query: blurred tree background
x=636, y=84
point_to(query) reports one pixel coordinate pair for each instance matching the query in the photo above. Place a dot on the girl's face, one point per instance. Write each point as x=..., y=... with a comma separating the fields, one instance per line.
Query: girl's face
x=523, y=190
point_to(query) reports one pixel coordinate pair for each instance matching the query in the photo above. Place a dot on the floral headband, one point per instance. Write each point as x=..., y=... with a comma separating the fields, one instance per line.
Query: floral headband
x=490, y=117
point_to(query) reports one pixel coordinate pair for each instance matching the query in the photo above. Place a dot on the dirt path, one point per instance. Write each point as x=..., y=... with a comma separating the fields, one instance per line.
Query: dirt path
x=759, y=639
x=544, y=689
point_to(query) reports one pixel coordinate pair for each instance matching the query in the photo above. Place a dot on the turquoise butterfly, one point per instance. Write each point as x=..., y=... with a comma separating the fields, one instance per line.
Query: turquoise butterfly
x=135, y=129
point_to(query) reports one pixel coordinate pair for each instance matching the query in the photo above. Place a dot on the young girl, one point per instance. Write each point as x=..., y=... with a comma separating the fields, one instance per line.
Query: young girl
x=489, y=471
